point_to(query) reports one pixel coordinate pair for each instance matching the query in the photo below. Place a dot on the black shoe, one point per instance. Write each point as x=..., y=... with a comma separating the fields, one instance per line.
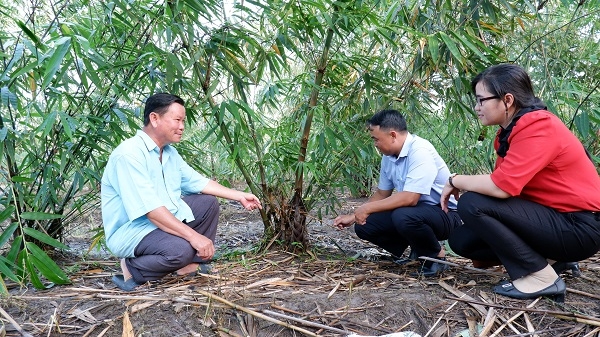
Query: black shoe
x=432, y=268
x=556, y=291
x=405, y=260
x=561, y=267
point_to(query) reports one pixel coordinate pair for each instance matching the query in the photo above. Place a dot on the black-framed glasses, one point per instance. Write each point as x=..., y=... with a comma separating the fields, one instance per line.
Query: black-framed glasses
x=479, y=100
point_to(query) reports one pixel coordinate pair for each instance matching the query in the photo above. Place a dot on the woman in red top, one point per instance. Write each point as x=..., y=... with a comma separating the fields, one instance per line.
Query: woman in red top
x=540, y=204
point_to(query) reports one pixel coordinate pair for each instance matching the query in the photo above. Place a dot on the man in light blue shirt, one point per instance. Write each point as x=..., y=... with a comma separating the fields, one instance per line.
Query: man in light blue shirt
x=411, y=216
x=160, y=215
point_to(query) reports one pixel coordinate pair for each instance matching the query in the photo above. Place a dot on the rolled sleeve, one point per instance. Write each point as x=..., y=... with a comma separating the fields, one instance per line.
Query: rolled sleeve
x=192, y=181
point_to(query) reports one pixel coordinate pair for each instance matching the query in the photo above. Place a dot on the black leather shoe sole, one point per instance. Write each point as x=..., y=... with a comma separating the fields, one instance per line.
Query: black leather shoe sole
x=412, y=257
x=431, y=268
x=561, y=267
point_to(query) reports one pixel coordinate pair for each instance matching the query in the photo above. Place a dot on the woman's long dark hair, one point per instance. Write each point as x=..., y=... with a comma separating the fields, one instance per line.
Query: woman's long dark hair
x=505, y=78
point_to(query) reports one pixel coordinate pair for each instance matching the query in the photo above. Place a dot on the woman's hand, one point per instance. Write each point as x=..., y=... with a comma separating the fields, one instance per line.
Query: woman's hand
x=446, y=193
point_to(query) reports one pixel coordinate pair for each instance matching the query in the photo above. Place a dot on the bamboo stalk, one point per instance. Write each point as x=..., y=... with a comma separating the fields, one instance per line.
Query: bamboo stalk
x=463, y=267
x=578, y=319
x=514, y=317
x=548, y=312
x=488, y=323
x=579, y=292
x=440, y=318
x=14, y=323
x=254, y=313
x=480, y=308
x=305, y=322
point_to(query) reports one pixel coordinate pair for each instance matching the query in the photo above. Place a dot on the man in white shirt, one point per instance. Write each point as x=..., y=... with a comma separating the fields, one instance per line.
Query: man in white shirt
x=160, y=215
x=412, y=216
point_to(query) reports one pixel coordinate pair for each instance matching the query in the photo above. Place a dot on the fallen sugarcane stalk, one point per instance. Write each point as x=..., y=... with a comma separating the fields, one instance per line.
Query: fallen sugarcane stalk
x=460, y=294
x=521, y=312
x=14, y=323
x=255, y=314
x=304, y=322
x=461, y=266
x=595, y=321
x=579, y=292
x=588, y=321
x=215, y=297
x=440, y=318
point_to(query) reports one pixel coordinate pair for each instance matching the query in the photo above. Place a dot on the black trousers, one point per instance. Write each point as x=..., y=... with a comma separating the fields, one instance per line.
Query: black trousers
x=160, y=253
x=421, y=227
x=522, y=234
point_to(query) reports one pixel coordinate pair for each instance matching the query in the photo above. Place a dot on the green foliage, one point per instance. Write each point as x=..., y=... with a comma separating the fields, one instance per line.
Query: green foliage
x=64, y=103
x=277, y=95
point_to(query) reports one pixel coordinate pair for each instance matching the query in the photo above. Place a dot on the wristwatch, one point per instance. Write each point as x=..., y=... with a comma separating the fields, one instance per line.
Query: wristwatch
x=450, y=180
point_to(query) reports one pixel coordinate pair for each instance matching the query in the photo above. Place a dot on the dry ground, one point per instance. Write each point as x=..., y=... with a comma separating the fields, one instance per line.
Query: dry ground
x=346, y=286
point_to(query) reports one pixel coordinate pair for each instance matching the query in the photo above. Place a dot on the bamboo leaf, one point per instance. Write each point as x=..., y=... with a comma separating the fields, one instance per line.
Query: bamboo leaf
x=471, y=46
x=8, y=98
x=452, y=47
x=40, y=216
x=128, y=330
x=48, y=268
x=66, y=124
x=3, y=288
x=3, y=134
x=44, y=238
x=582, y=122
x=17, y=55
x=62, y=47
x=48, y=123
x=20, y=179
x=31, y=35
x=15, y=248
x=5, y=269
x=31, y=271
x=8, y=232
x=26, y=69
x=5, y=214
x=434, y=47
x=91, y=72
x=236, y=61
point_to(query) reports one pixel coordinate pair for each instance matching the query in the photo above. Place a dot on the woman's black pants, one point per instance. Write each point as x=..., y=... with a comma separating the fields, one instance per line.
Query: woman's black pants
x=522, y=234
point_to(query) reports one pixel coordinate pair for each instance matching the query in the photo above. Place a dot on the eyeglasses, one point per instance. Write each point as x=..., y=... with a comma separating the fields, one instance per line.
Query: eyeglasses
x=479, y=100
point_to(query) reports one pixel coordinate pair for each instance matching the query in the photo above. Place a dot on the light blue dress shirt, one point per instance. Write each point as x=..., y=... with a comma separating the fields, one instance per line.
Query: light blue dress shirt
x=135, y=182
x=419, y=169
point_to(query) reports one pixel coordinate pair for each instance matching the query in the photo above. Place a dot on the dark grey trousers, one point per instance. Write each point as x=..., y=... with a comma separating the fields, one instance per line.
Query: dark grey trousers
x=160, y=253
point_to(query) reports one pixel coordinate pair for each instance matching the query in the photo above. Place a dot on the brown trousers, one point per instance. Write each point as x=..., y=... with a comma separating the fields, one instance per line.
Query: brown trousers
x=160, y=253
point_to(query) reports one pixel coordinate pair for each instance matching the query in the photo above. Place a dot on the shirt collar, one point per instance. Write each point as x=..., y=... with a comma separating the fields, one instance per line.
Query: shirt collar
x=405, y=148
x=150, y=144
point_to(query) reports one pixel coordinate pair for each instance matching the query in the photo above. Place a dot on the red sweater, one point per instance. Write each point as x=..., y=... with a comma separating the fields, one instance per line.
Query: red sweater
x=548, y=165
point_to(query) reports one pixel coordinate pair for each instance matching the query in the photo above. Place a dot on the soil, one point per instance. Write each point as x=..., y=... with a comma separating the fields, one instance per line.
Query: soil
x=343, y=286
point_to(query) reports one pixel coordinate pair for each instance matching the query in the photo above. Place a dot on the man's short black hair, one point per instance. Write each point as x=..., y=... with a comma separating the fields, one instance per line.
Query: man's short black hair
x=160, y=103
x=389, y=120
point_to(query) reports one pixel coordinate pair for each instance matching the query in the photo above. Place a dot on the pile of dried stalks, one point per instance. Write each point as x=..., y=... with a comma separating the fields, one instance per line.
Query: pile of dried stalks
x=280, y=294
